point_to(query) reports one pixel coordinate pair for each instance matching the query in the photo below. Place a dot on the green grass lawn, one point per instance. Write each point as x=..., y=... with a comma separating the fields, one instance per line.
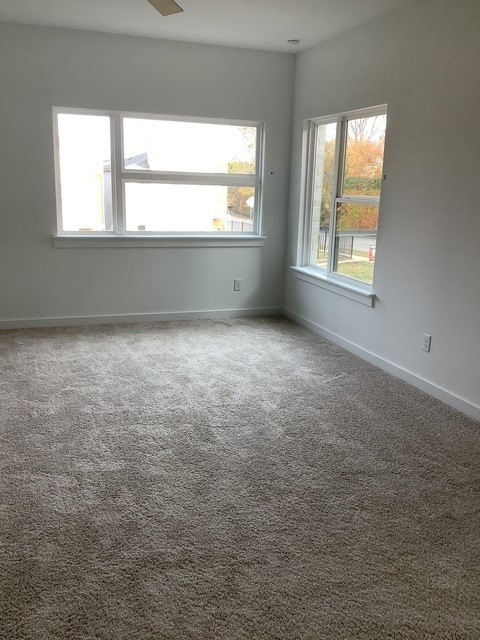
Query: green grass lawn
x=361, y=270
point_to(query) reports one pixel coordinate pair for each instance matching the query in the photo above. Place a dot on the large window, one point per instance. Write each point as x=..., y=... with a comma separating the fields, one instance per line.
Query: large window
x=133, y=174
x=344, y=179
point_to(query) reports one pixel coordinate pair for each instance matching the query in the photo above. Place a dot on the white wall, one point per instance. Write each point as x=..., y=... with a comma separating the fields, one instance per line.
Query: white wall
x=42, y=67
x=424, y=62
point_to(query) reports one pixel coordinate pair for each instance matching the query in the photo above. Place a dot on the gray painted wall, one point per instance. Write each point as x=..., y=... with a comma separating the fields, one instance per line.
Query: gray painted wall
x=42, y=67
x=423, y=61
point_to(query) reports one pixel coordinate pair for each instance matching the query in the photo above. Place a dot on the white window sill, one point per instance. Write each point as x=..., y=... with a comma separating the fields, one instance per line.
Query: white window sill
x=151, y=241
x=342, y=288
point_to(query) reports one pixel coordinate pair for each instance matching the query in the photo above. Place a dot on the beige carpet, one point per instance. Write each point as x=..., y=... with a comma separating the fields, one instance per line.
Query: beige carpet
x=228, y=479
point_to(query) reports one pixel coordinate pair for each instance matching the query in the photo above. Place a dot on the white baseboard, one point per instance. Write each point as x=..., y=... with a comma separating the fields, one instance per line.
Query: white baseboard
x=66, y=321
x=457, y=402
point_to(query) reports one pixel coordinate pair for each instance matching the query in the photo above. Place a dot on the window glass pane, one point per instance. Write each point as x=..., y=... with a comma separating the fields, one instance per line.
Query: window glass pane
x=355, y=241
x=164, y=145
x=188, y=208
x=323, y=175
x=364, y=156
x=85, y=172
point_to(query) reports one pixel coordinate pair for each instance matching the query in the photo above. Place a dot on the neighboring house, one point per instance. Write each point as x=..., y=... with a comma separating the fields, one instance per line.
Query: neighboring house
x=138, y=161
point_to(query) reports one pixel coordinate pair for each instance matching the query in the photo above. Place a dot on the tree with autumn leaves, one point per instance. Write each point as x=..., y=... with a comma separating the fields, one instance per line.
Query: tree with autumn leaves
x=363, y=172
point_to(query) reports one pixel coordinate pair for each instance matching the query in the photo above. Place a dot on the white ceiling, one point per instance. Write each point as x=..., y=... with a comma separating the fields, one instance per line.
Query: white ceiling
x=257, y=24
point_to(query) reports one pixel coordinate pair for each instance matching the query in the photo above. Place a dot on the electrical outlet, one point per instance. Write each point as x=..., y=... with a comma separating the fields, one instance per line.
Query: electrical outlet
x=237, y=284
x=426, y=342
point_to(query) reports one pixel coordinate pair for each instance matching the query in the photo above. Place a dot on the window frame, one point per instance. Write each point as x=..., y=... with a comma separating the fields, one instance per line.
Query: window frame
x=121, y=175
x=303, y=254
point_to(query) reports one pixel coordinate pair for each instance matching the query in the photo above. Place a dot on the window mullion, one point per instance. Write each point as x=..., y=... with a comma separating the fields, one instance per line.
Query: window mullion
x=337, y=191
x=118, y=187
x=170, y=177
x=363, y=200
x=310, y=185
x=56, y=151
x=258, y=204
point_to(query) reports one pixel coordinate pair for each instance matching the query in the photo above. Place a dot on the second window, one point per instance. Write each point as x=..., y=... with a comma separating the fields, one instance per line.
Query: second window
x=344, y=179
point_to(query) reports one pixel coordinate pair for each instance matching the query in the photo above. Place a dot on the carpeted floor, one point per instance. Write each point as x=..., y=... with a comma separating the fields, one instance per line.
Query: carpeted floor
x=230, y=479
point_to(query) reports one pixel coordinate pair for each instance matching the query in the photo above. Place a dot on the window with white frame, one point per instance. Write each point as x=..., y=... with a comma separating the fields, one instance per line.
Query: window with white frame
x=343, y=185
x=123, y=174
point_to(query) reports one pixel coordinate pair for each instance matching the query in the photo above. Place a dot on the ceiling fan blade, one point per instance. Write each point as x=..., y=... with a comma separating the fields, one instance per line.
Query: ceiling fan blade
x=166, y=7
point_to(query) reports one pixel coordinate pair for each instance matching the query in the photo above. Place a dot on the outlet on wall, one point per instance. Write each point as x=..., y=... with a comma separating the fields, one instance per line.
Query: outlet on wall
x=237, y=284
x=426, y=342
